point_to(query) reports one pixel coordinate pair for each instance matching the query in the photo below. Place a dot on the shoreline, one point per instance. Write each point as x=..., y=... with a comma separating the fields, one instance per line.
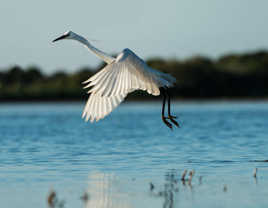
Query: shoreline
x=131, y=100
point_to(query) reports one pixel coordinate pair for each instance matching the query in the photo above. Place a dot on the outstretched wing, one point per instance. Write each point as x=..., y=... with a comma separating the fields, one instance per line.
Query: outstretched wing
x=112, y=84
x=98, y=107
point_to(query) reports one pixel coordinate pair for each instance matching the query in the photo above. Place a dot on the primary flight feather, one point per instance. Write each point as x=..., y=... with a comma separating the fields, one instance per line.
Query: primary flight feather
x=122, y=75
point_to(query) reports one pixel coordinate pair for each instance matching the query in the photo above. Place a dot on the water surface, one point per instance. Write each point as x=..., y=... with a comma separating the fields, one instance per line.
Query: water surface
x=47, y=146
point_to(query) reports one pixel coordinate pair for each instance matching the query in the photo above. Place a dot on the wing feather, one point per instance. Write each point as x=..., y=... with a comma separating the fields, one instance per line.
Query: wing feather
x=103, y=74
x=100, y=82
x=111, y=84
x=119, y=83
x=97, y=75
x=98, y=107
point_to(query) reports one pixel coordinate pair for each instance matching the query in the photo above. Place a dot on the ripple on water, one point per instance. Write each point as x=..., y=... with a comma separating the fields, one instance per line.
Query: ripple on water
x=48, y=145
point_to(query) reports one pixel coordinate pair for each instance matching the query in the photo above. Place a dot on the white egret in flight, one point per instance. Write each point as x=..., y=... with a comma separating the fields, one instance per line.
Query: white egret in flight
x=122, y=75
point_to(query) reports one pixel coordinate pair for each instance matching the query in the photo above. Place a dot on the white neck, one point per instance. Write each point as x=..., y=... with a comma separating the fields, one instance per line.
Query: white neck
x=105, y=57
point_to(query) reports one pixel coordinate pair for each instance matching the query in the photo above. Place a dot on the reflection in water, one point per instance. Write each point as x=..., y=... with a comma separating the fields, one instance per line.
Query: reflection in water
x=255, y=175
x=53, y=201
x=108, y=191
x=105, y=192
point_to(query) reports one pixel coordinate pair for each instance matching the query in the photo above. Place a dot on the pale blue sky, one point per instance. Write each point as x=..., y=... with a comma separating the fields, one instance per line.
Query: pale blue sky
x=171, y=28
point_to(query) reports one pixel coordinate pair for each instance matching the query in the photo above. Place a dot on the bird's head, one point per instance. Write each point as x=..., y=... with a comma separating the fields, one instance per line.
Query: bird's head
x=66, y=35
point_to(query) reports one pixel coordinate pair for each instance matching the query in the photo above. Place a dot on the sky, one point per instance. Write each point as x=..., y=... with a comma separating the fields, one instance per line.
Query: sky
x=169, y=29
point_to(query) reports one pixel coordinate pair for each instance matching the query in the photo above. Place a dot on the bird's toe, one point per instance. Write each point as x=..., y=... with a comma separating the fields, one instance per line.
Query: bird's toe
x=172, y=119
x=166, y=122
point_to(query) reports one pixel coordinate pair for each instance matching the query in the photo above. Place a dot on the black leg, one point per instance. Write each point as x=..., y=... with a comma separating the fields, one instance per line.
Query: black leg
x=169, y=115
x=163, y=109
x=168, y=103
x=164, y=103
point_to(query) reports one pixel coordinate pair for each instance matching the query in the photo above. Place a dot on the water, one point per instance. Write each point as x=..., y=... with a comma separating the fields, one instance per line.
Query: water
x=47, y=146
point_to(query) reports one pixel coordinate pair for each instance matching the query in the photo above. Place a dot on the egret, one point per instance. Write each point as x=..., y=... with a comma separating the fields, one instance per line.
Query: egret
x=122, y=75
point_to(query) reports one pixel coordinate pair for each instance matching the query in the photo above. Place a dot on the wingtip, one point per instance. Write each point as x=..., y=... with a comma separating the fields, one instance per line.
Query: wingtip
x=85, y=82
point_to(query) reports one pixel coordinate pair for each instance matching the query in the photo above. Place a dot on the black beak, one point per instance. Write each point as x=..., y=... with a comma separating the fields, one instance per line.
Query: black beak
x=60, y=38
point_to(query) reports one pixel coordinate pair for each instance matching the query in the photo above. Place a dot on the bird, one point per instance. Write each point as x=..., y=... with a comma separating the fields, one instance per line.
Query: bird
x=120, y=76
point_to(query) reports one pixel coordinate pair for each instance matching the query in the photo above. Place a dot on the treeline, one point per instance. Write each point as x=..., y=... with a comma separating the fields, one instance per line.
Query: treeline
x=231, y=76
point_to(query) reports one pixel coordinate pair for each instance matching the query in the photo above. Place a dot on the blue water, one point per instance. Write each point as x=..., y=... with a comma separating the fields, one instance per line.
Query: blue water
x=46, y=146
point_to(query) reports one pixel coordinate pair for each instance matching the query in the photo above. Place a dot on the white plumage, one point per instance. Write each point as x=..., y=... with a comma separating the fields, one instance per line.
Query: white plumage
x=122, y=75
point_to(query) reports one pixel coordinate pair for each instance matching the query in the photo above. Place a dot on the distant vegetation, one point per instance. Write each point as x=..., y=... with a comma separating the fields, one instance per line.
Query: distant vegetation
x=231, y=76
